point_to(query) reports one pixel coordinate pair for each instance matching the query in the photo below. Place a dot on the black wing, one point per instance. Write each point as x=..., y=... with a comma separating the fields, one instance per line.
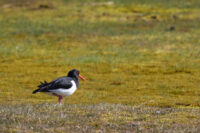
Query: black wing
x=63, y=82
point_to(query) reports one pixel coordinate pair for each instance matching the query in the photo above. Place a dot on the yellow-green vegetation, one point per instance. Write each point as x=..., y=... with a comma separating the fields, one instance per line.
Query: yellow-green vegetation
x=132, y=52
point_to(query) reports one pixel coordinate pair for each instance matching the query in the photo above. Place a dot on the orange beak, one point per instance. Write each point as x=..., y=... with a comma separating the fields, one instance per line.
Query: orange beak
x=81, y=77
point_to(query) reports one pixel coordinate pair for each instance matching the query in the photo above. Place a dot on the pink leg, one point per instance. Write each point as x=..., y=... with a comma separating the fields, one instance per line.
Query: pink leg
x=59, y=98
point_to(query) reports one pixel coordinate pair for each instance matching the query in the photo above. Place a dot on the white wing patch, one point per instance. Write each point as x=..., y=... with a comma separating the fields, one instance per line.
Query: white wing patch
x=65, y=92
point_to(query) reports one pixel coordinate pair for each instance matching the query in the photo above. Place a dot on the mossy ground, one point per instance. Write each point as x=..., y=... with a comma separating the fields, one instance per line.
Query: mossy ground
x=131, y=52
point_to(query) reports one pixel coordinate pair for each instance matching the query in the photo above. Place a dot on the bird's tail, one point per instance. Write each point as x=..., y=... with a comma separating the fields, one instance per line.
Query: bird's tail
x=35, y=91
x=42, y=84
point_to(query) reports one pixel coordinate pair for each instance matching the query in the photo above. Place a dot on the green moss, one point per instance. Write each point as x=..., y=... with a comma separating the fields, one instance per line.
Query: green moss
x=141, y=53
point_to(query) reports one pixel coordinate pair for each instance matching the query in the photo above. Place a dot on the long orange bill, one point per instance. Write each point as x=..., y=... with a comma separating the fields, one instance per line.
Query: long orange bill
x=81, y=77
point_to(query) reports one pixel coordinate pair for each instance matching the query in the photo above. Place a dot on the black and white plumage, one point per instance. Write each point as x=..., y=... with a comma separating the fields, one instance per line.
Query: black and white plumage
x=61, y=87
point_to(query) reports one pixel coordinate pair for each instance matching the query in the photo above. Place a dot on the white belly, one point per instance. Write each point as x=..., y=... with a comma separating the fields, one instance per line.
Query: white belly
x=64, y=92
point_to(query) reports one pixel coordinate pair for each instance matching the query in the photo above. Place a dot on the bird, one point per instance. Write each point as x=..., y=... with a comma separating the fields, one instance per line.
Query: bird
x=61, y=87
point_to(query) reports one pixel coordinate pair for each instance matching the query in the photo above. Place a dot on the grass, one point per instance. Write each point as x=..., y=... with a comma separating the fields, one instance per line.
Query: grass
x=134, y=54
x=97, y=118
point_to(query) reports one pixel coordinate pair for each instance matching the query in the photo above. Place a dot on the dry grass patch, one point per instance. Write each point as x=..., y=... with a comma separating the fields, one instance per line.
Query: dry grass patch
x=99, y=117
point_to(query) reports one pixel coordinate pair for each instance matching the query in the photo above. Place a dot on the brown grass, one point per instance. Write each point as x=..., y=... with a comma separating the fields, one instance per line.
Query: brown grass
x=97, y=118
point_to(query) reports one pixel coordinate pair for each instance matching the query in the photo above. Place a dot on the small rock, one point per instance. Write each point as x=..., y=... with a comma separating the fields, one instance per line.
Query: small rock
x=175, y=16
x=158, y=112
x=43, y=6
x=172, y=28
x=154, y=17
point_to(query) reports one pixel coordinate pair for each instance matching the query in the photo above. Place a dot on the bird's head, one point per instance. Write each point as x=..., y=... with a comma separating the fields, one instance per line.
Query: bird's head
x=75, y=73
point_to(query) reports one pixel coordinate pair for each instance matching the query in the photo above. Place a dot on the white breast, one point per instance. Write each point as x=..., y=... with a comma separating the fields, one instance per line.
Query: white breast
x=65, y=92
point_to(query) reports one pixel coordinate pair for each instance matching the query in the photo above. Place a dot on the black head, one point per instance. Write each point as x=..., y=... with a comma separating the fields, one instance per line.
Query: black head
x=74, y=73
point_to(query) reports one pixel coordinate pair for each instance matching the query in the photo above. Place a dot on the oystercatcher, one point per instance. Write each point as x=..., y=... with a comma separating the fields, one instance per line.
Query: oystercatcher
x=61, y=87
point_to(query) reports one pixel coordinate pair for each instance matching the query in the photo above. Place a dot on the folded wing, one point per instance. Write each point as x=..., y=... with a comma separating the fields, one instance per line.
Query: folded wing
x=63, y=82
